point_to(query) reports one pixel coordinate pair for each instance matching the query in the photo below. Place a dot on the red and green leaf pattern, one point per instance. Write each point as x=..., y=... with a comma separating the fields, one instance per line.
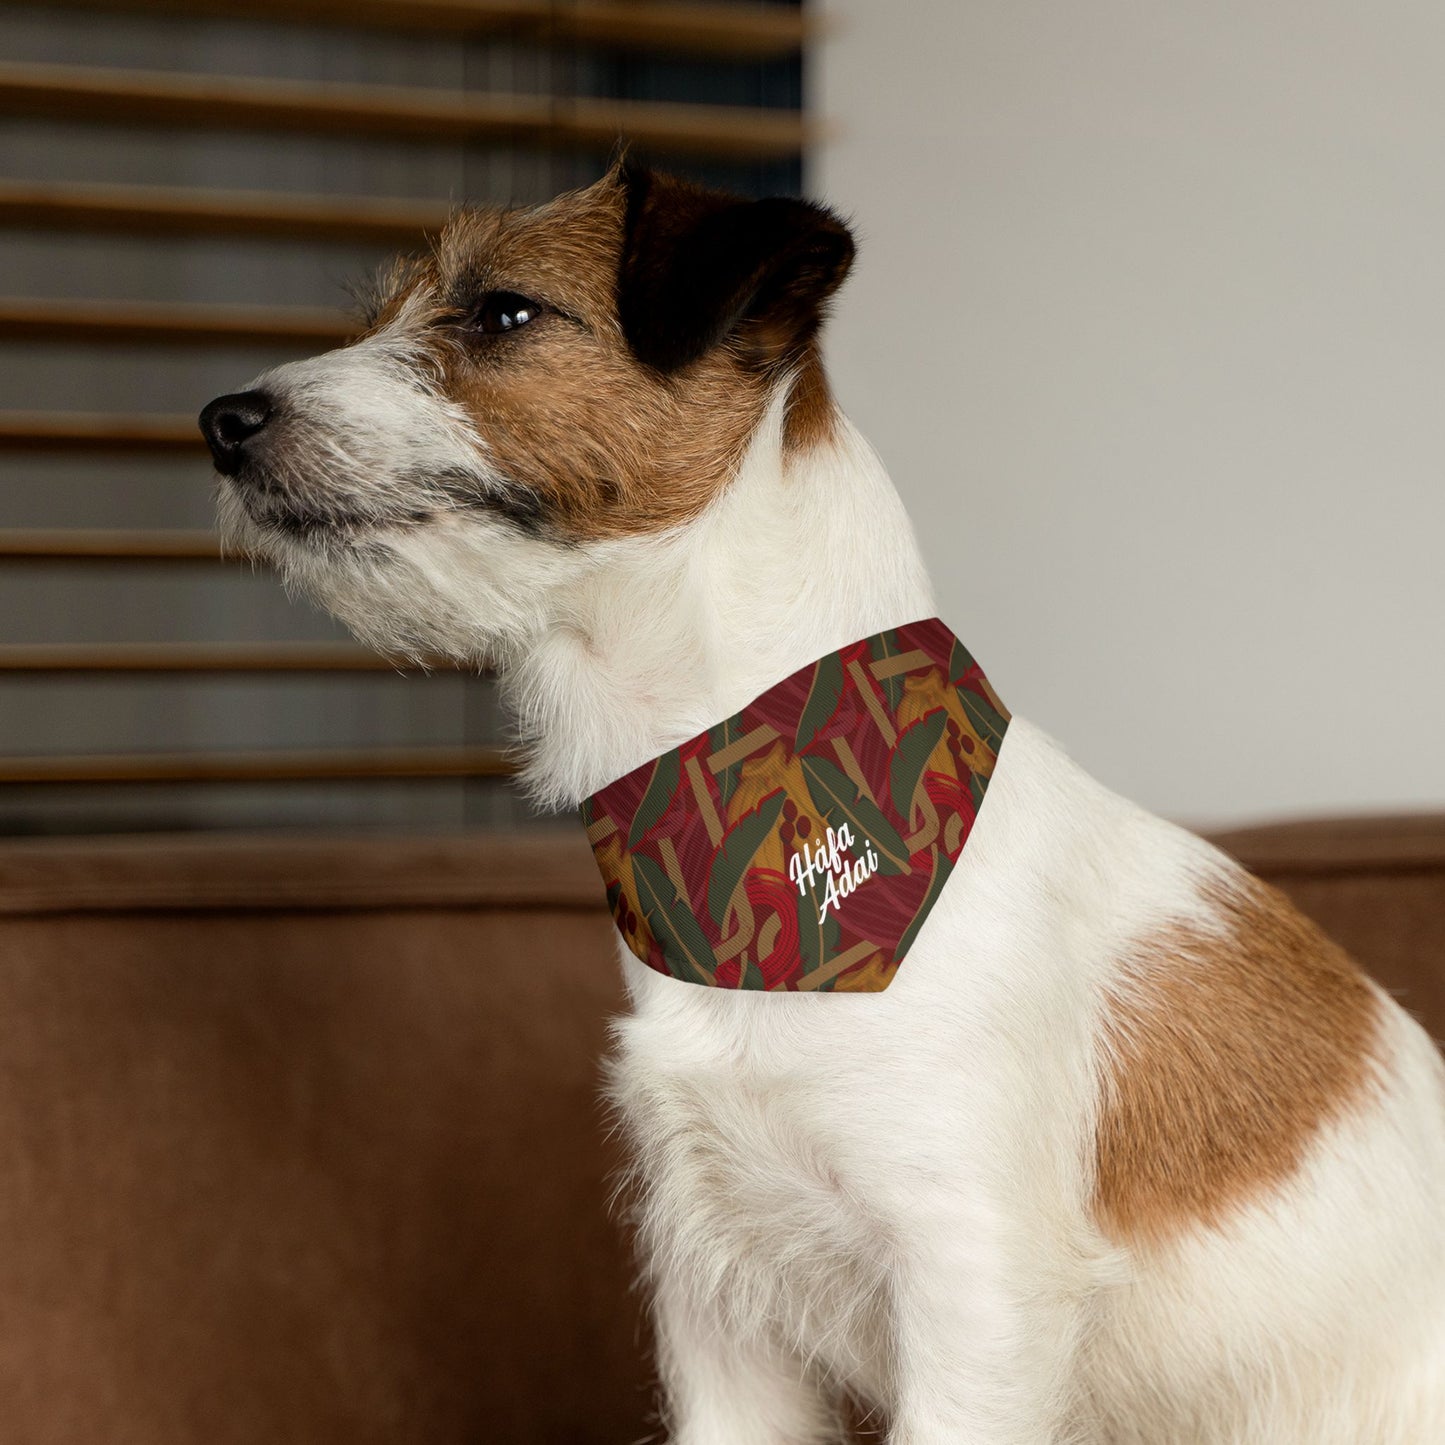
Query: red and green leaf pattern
x=696, y=854
x=915, y=747
x=738, y=849
x=825, y=691
x=661, y=786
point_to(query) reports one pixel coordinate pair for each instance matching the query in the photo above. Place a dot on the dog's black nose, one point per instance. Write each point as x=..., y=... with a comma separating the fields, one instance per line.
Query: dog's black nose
x=229, y=422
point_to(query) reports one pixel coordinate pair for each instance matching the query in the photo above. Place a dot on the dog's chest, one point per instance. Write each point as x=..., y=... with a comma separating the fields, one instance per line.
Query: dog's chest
x=754, y=1177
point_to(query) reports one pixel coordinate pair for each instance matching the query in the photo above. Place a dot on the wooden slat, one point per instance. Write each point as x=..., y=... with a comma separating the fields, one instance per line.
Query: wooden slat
x=329, y=765
x=78, y=431
x=759, y=32
x=83, y=544
x=751, y=31
x=221, y=102
x=174, y=211
x=189, y=657
x=171, y=323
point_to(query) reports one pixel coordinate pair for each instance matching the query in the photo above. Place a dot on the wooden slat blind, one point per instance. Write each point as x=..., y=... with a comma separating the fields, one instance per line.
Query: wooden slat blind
x=724, y=30
x=270, y=766
x=230, y=104
x=172, y=211
x=222, y=102
x=191, y=657
x=82, y=431
x=172, y=323
x=90, y=544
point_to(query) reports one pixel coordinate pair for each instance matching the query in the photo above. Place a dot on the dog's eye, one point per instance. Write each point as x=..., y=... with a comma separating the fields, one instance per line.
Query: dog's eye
x=504, y=311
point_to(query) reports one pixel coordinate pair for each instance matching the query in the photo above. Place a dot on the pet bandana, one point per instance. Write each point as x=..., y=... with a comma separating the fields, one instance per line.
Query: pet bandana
x=801, y=843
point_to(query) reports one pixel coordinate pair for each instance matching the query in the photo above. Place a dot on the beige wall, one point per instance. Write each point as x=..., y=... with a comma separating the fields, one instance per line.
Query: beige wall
x=1149, y=323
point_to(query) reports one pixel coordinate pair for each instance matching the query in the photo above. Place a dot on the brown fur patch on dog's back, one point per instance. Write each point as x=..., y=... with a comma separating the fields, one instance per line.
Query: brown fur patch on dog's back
x=1226, y=1053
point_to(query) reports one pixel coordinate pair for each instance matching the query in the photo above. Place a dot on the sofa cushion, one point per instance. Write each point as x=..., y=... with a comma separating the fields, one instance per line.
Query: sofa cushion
x=302, y=1140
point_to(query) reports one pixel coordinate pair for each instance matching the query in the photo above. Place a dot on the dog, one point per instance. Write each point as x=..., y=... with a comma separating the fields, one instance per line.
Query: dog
x=1127, y=1151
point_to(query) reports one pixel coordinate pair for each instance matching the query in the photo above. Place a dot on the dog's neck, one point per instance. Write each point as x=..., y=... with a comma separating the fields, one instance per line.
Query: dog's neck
x=803, y=553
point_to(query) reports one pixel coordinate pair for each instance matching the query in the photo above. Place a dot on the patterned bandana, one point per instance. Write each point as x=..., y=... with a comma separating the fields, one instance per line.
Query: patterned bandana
x=801, y=843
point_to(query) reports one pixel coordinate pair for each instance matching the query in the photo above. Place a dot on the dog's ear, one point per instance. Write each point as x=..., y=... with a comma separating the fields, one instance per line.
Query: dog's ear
x=699, y=266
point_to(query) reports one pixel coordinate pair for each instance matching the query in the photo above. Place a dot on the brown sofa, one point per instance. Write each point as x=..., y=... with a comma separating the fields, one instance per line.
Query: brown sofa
x=302, y=1142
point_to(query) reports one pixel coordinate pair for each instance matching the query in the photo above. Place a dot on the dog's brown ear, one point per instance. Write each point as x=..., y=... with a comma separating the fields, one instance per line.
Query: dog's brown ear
x=699, y=266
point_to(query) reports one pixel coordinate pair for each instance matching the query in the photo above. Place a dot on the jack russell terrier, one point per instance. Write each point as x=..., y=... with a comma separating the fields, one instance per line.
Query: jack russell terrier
x=1028, y=1119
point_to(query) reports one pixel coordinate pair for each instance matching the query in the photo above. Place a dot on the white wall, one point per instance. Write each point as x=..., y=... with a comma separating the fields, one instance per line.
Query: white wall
x=1149, y=324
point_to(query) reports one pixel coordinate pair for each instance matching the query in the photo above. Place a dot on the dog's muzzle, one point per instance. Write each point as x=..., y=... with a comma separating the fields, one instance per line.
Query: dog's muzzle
x=231, y=423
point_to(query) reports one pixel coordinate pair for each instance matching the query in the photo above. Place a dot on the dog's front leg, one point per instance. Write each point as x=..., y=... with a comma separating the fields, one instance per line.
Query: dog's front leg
x=984, y=1343
x=721, y=1388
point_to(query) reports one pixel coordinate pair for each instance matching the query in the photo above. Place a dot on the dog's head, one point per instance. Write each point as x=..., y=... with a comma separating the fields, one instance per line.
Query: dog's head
x=544, y=383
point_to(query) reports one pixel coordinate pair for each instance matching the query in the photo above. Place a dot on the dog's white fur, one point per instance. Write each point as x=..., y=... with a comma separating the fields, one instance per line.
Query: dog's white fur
x=891, y=1193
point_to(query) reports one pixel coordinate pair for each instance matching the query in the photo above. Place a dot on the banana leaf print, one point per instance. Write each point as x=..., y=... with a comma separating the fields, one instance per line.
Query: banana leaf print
x=738, y=851
x=834, y=796
x=976, y=786
x=910, y=757
x=883, y=646
x=718, y=738
x=670, y=919
x=942, y=867
x=824, y=696
x=686, y=847
x=666, y=775
x=986, y=722
x=960, y=662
